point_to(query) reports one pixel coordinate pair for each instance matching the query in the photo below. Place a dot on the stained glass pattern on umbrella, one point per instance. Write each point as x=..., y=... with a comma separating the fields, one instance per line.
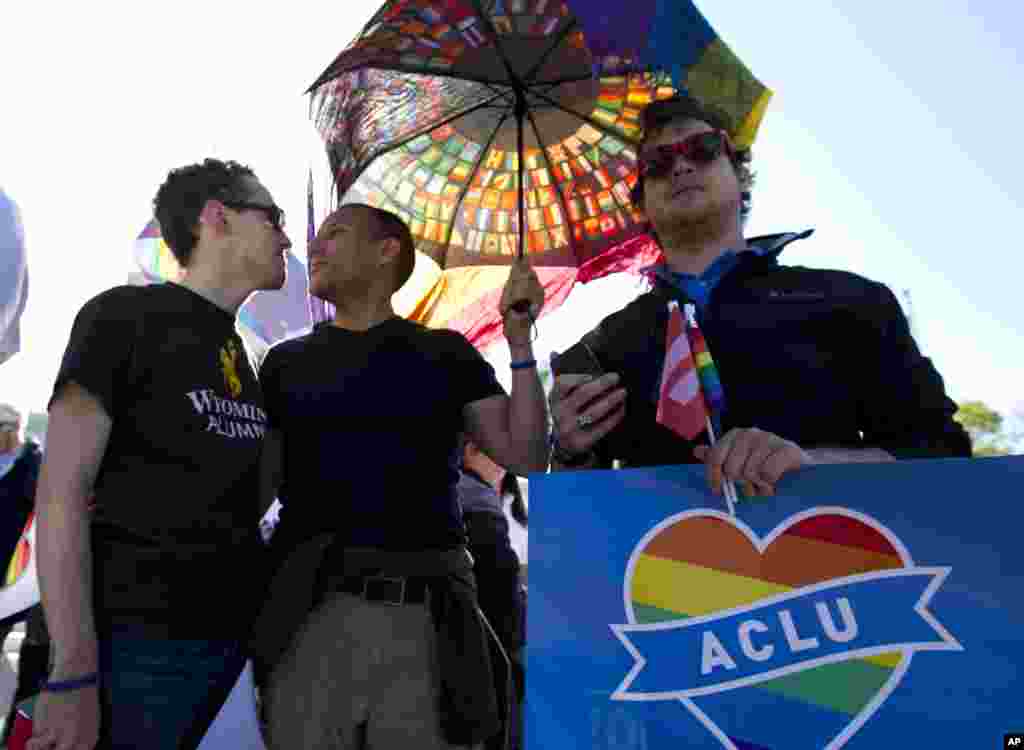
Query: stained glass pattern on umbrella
x=442, y=36
x=460, y=200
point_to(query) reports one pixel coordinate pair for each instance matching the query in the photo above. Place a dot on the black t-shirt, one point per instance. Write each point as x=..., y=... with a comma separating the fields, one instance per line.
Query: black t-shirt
x=370, y=423
x=175, y=527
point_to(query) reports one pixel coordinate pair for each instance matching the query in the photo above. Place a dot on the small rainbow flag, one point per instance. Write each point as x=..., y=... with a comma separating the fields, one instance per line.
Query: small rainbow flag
x=681, y=406
x=710, y=384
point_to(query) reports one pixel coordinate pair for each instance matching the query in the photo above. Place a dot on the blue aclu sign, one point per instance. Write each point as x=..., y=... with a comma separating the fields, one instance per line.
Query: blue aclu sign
x=864, y=606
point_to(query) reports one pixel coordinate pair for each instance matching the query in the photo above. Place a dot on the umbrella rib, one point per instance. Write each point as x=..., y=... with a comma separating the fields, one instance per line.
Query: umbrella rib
x=486, y=21
x=630, y=70
x=559, y=82
x=554, y=45
x=411, y=70
x=586, y=118
x=416, y=134
x=561, y=197
x=472, y=174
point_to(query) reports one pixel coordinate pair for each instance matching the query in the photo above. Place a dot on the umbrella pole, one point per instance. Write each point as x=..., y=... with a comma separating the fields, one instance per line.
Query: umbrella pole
x=520, y=110
x=521, y=306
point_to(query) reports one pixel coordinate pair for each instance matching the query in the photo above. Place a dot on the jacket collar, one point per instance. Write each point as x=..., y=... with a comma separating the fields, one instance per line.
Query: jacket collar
x=766, y=246
x=772, y=245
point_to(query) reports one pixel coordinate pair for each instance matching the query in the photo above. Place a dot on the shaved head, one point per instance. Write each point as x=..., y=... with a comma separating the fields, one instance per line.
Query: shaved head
x=385, y=225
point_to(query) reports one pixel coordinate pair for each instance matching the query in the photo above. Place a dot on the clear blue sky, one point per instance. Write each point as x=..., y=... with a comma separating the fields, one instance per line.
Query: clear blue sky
x=891, y=132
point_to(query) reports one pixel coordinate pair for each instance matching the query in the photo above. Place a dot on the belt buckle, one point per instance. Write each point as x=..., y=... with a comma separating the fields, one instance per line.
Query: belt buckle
x=394, y=602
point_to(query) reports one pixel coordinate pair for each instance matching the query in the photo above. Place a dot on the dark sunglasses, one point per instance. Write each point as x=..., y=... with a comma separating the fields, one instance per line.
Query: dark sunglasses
x=699, y=148
x=274, y=214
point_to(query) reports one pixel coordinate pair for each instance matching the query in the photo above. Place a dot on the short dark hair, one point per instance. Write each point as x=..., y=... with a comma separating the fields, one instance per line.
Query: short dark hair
x=181, y=198
x=387, y=226
x=660, y=113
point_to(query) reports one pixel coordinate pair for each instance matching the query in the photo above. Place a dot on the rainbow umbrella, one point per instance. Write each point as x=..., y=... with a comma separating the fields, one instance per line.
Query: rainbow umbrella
x=268, y=317
x=471, y=120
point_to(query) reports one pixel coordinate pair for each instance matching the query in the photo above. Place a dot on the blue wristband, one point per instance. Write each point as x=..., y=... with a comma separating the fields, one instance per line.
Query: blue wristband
x=66, y=686
x=524, y=365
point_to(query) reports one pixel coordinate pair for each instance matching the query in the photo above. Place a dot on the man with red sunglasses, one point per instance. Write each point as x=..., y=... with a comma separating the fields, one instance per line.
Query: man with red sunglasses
x=816, y=365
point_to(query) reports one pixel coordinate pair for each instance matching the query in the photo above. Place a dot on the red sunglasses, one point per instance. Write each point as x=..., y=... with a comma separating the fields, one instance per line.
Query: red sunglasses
x=699, y=148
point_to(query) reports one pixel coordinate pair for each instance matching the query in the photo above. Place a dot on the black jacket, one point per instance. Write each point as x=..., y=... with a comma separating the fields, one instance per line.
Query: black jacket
x=823, y=358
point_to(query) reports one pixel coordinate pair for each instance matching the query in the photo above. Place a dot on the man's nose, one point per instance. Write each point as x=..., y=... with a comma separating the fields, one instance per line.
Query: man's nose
x=682, y=165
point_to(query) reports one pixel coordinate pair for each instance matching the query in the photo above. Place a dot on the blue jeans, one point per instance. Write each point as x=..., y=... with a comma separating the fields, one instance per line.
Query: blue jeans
x=163, y=694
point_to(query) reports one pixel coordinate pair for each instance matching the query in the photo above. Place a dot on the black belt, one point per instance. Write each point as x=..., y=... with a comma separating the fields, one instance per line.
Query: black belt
x=383, y=589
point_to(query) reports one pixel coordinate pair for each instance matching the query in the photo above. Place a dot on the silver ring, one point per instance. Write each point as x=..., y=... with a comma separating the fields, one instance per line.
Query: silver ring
x=583, y=421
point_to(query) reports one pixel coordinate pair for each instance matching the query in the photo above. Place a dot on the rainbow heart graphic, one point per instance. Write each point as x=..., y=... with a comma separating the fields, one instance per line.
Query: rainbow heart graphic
x=789, y=641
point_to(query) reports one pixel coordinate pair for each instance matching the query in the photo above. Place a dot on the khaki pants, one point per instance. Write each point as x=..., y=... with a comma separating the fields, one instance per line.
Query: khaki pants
x=359, y=676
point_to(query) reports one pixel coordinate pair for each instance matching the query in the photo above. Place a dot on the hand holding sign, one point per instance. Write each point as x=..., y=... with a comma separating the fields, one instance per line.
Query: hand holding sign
x=752, y=456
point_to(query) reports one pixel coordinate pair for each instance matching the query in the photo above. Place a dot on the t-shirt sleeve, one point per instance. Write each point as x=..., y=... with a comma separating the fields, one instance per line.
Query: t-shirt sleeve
x=101, y=352
x=270, y=386
x=474, y=376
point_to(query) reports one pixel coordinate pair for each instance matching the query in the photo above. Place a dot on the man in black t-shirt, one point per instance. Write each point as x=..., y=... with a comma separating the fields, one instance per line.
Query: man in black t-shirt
x=157, y=412
x=368, y=409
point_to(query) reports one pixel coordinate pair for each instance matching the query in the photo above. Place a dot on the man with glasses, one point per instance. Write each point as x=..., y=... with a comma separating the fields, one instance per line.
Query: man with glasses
x=815, y=365
x=157, y=411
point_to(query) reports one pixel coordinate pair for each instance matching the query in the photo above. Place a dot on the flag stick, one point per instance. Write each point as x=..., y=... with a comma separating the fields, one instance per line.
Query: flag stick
x=728, y=485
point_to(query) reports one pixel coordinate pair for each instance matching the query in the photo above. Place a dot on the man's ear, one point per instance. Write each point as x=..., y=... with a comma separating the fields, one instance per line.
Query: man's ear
x=389, y=251
x=212, y=214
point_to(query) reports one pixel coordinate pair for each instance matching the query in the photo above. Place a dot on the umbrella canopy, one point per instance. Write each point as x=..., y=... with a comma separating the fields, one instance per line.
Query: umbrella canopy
x=462, y=116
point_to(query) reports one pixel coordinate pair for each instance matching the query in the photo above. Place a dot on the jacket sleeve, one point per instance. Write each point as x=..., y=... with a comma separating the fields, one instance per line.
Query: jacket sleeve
x=905, y=409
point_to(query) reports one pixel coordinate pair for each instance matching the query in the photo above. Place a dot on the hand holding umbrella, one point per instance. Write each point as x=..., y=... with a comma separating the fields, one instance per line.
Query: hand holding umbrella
x=521, y=302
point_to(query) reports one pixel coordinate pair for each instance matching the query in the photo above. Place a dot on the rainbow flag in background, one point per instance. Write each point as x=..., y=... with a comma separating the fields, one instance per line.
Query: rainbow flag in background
x=319, y=311
x=22, y=554
x=703, y=565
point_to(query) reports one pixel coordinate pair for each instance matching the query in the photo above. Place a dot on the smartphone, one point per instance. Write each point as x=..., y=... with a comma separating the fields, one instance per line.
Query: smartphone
x=581, y=360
